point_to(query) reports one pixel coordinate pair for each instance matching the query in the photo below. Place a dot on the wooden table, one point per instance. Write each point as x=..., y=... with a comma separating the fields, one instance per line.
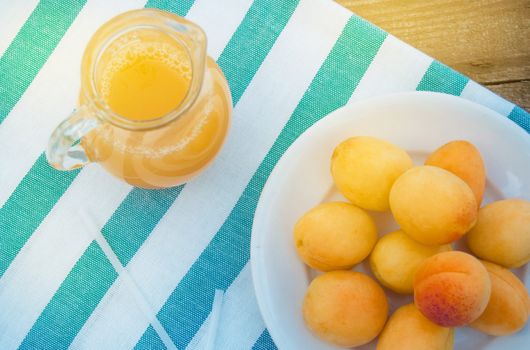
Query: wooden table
x=487, y=40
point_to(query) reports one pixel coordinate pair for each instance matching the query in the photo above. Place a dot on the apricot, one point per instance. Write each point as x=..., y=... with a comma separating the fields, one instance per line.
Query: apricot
x=396, y=257
x=364, y=169
x=334, y=236
x=509, y=306
x=408, y=329
x=452, y=289
x=502, y=233
x=463, y=159
x=345, y=308
x=432, y=205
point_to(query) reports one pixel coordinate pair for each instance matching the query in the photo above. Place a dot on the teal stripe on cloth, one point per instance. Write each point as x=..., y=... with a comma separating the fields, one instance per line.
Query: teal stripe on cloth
x=29, y=204
x=440, y=78
x=135, y=218
x=180, y=7
x=31, y=48
x=73, y=302
x=222, y=260
x=259, y=30
x=150, y=341
x=521, y=117
x=264, y=342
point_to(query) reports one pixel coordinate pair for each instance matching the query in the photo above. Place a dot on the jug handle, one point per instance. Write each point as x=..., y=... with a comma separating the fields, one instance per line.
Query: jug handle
x=63, y=151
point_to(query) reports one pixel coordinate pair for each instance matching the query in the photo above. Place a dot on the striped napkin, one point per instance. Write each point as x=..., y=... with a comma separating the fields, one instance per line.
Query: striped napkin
x=89, y=262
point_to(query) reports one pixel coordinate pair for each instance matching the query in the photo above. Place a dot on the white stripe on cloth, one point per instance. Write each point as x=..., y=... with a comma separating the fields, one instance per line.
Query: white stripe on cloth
x=240, y=324
x=403, y=63
x=214, y=317
x=261, y=113
x=51, y=96
x=198, y=342
x=478, y=93
x=42, y=264
x=12, y=17
x=206, y=14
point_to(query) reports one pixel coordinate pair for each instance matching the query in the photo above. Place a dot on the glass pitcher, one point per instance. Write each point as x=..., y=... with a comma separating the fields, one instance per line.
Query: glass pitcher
x=154, y=109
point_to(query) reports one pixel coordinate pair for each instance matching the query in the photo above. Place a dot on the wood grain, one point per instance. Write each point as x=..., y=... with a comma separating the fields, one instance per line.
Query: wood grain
x=487, y=40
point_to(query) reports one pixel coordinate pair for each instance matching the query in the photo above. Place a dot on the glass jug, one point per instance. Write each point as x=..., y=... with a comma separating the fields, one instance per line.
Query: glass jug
x=154, y=109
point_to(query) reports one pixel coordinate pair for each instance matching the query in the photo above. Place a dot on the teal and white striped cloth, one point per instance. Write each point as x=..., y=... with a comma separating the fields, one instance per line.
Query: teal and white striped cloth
x=89, y=262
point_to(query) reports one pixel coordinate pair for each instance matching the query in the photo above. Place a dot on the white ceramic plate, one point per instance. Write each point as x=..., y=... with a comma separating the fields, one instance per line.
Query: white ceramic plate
x=417, y=122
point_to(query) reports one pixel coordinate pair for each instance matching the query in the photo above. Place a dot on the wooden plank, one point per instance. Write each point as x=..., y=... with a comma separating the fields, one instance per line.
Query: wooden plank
x=488, y=40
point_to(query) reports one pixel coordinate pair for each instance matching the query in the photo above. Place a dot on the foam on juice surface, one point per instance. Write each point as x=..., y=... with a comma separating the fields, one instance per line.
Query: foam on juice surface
x=142, y=78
